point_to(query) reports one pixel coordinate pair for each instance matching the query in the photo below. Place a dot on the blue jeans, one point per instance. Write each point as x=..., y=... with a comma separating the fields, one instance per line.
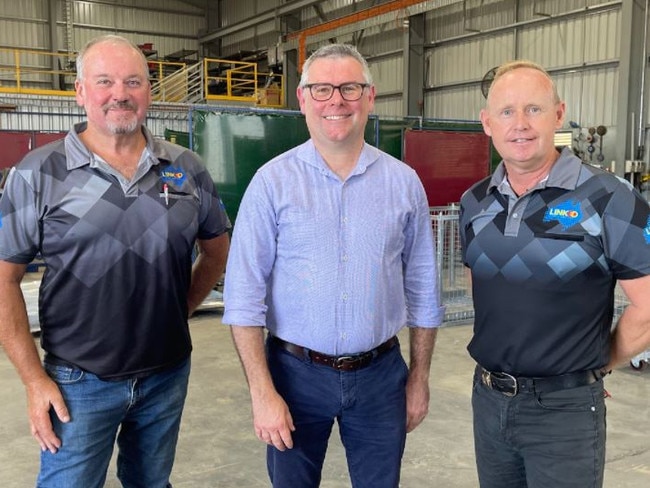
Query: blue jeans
x=369, y=405
x=144, y=414
x=535, y=440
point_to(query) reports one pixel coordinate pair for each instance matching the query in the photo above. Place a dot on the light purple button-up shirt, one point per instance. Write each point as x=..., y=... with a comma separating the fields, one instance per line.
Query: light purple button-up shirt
x=335, y=266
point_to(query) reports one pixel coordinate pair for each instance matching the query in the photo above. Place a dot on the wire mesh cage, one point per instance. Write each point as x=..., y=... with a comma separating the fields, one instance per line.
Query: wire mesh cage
x=454, y=282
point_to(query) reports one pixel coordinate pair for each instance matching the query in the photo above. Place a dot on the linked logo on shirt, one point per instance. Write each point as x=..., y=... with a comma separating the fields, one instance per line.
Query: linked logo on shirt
x=646, y=231
x=173, y=175
x=567, y=214
x=1, y=220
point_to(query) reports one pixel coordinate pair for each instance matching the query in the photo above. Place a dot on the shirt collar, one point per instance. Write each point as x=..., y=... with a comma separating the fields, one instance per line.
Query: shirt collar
x=564, y=173
x=78, y=154
x=308, y=153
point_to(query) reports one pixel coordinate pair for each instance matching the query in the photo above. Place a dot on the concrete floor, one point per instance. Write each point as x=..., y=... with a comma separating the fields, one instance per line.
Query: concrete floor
x=217, y=447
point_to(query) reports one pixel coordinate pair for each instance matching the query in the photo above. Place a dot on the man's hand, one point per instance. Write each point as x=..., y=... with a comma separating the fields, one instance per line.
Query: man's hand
x=272, y=421
x=422, y=342
x=41, y=397
x=417, y=402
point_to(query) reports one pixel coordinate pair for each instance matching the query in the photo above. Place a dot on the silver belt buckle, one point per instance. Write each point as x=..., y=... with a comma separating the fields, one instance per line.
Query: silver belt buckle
x=515, y=388
x=486, y=378
x=341, y=360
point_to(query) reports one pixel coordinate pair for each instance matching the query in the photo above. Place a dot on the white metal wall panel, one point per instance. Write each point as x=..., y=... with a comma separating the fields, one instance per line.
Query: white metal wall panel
x=467, y=60
x=381, y=39
x=236, y=11
x=571, y=42
x=481, y=15
x=82, y=35
x=262, y=36
x=445, y=23
x=14, y=33
x=602, y=36
x=158, y=22
x=93, y=14
x=589, y=96
x=544, y=8
x=553, y=45
x=388, y=74
x=583, y=41
x=169, y=31
x=449, y=21
x=331, y=9
x=460, y=103
x=389, y=107
x=24, y=9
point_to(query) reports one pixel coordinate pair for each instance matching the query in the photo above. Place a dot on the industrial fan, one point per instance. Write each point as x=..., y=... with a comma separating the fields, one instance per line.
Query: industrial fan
x=487, y=80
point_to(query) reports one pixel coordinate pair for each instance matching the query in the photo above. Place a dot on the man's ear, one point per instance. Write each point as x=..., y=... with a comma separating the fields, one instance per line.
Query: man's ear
x=560, y=113
x=485, y=121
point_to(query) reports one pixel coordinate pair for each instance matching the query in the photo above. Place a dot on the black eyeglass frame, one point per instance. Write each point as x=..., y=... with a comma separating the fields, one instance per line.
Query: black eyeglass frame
x=337, y=87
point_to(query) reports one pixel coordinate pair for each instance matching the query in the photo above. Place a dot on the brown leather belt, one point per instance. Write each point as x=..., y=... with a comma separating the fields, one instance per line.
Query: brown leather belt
x=350, y=362
x=512, y=385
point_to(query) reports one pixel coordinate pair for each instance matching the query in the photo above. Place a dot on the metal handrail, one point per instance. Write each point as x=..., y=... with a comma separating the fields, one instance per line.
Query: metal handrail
x=240, y=81
x=34, y=72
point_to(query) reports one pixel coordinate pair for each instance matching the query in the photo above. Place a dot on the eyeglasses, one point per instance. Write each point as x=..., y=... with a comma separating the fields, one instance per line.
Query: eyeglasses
x=321, y=92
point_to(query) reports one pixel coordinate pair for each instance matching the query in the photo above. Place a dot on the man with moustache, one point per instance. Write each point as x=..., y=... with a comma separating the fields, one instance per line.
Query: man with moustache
x=115, y=215
x=333, y=254
x=547, y=238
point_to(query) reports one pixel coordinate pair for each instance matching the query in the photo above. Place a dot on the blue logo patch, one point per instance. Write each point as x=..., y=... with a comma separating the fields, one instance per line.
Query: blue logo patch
x=646, y=231
x=567, y=214
x=173, y=175
x=0, y=220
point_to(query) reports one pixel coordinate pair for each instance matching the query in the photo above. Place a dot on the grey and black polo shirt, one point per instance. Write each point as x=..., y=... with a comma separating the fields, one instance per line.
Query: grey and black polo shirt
x=544, y=266
x=118, y=253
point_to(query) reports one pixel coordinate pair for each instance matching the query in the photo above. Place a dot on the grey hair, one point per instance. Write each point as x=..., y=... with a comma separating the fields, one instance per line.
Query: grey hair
x=110, y=39
x=524, y=63
x=335, y=51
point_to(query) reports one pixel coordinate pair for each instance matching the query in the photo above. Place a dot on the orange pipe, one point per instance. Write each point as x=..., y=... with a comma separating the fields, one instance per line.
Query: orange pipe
x=343, y=21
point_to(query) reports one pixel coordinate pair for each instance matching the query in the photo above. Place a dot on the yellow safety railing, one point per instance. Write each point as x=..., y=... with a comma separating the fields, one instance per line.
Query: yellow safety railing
x=240, y=81
x=36, y=72
x=159, y=70
x=43, y=73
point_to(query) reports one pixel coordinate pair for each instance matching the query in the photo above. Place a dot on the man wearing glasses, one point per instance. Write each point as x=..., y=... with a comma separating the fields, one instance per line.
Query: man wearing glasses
x=333, y=254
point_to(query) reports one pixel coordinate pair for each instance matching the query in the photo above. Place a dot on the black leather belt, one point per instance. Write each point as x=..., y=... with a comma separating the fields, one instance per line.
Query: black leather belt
x=512, y=385
x=350, y=362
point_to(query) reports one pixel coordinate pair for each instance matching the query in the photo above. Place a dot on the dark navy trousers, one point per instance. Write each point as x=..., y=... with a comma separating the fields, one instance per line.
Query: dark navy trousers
x=369, y=405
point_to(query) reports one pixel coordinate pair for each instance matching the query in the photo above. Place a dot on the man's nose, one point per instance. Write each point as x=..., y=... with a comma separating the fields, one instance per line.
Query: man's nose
x=119, y=92
x=336, y=96
x=521, y=119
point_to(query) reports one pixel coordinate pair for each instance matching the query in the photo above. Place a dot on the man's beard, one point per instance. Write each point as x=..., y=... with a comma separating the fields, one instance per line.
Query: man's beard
x=124, y=127
x=127, y=124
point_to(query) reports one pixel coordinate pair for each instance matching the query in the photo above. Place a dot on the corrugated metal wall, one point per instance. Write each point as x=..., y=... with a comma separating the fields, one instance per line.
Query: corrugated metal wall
x=170, y=25
x=581, y=51
x=167, y=24
x=24, y=24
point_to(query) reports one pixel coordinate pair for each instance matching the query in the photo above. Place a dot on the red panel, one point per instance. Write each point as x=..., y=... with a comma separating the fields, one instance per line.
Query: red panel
x=42, y=138
x=448, y=163
x=14, y=146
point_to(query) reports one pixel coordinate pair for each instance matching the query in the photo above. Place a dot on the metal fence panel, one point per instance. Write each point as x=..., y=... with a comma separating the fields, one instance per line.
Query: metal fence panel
x=453, y=278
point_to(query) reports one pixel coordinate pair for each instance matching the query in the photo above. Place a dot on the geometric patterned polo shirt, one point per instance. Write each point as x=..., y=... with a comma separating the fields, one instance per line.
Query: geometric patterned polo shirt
x=544, y=266
x=118, y=253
